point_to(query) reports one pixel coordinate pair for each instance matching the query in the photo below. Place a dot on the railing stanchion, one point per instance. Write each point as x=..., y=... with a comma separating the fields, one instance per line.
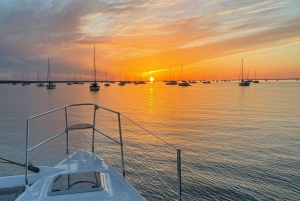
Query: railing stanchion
x=67, y=132
x=26, y=153
x=179, y=173
x=94, y=120
x=121, y=145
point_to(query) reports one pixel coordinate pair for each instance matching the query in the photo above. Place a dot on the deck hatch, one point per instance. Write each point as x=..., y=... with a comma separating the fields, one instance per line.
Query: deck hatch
x=76, y=183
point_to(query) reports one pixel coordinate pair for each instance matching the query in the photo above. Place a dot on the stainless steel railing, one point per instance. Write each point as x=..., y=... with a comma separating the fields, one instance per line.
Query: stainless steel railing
x=76, y=127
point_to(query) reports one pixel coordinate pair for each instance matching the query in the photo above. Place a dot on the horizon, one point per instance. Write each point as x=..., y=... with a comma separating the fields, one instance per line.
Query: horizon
x=143, y=38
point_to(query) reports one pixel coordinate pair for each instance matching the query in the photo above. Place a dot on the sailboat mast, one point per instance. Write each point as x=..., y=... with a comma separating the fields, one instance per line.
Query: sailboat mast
x=242, y=72
x=48, y=71
x=182, y=72
x=170, y=73
x=38, y=75
x=94, y=64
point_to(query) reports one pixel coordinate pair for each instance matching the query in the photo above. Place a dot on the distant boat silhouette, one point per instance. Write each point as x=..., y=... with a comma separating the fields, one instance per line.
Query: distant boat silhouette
x=75, y=81
x=23, y=83
x=206, y=81
x=183, y=83
x=255, y=81
x=94, y=86
x=243, y=82
x=39, y=84
x=80, y=82
x=50, y=84
x=141, y=82
x=106, y=83
x=69, y=83
x=121, y=83
x=171, y=82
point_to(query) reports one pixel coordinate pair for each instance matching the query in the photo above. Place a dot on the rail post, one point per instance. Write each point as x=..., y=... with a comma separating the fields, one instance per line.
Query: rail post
x=94, y=122
x=121, y=145
x=179, y=174
x=26, y=154
x=67, y=134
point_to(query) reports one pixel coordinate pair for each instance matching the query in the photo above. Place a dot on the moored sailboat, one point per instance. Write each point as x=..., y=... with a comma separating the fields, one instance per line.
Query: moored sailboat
x=106, y=83
x=80, y=82
x=23, y=83
x=121, y=83
x=171, y=82
x=141, y=82
x=94, y=86
x=183, y=82
x=69, y=83
x=39, y=84
x=255, y=81
x=50, y=84
x=243, y=82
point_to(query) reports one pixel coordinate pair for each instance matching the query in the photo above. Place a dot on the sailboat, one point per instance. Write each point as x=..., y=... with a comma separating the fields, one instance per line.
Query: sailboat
x=171, y=82
x=94, y=86
x=39, y=84
x=255, y=81
x=75, y=81
x=141, y=82
x=243, y=82
x=69, y=83
x=50, y=84
x=205, y=81
x=23, y=83
x=106, y=83
x=80, y=82
x=183, y=83
x=121, y=83
x=14, y=83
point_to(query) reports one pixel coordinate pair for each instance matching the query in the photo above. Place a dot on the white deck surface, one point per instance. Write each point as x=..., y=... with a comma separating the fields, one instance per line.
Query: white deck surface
x=117, y=188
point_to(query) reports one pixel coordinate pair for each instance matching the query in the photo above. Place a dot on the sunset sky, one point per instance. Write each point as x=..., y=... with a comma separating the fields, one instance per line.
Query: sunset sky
x=210, y=38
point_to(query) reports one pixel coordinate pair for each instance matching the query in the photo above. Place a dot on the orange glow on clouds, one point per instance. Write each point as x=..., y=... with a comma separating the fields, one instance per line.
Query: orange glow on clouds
x=143, y=38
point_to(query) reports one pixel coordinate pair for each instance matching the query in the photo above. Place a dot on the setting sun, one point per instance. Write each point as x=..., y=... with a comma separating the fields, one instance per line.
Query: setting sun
x=151, y=79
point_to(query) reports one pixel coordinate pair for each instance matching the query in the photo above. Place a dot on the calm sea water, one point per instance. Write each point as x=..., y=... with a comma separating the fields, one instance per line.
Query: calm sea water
x=237, y=140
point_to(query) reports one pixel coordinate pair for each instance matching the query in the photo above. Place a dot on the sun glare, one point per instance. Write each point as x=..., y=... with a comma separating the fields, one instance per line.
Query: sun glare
x=151, y=79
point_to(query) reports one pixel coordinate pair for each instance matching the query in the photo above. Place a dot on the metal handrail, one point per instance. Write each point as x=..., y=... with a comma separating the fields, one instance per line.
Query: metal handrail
x=116, y=141
x=96, y=107
x=49, y=139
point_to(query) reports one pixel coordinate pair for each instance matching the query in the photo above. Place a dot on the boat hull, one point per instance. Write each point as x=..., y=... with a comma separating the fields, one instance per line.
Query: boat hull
x=184, y=84
x=40, y=85
x=51, y=86
x=115, y=186
x=244, y=84
x=94, y=88
x=171, y=83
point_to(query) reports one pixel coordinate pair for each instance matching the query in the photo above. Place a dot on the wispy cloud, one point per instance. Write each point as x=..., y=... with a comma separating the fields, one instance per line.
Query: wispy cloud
x=132, y=32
